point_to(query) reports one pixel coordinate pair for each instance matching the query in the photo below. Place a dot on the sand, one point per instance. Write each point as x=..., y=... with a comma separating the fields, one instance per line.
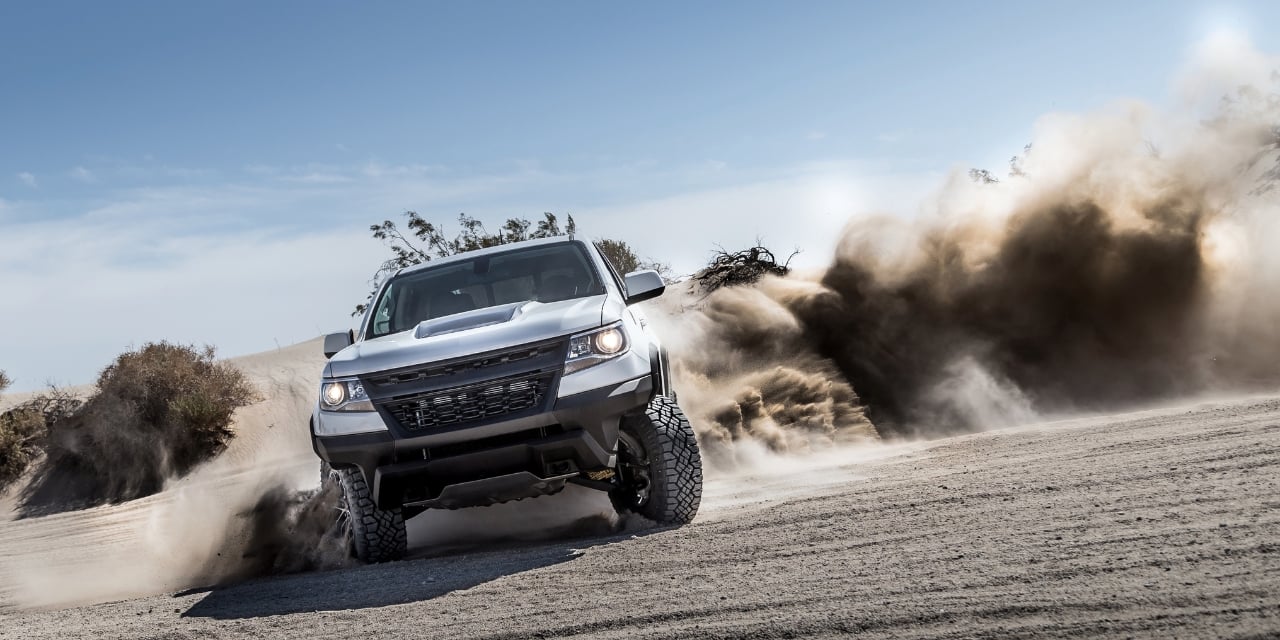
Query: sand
x=1158, y=523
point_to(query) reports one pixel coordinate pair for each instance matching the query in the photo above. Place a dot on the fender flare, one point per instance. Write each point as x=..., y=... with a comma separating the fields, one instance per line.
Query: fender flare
x=660, y=369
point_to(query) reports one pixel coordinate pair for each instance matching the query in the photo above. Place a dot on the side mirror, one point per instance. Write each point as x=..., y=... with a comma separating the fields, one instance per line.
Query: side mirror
x=643, y=285
x=336, y=342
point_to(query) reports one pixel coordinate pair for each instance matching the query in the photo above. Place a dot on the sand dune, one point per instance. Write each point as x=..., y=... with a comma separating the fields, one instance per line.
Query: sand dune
x=1149, y=524
x=165, y=541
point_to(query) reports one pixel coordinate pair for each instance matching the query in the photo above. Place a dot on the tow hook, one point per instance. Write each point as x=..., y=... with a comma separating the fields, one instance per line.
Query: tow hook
x=600, y=480
x=602, y=474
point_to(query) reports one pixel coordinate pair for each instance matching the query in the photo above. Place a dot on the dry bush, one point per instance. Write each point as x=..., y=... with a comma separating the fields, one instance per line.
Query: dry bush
x=22, y=434
x=741, y=268
x=24, y=431
x=156, y=413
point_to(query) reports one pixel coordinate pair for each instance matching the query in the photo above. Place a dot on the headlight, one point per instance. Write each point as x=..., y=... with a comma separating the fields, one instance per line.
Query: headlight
x=592, y=348
x=609, y=342
x=344, y=395
x=334, y=393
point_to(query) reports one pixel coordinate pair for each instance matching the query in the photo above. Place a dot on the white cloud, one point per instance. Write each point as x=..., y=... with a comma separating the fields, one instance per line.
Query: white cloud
x=261, y=169
x=83, y=175
x=318, y=177
x=806, y=209
x=285, y=253
x=816, y=135
x=375, y=169
x=28, y=179
x=152, y=172
x=113, y=287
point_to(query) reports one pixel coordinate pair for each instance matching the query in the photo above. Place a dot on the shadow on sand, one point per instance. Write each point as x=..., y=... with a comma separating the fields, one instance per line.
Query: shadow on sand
x=413, y=580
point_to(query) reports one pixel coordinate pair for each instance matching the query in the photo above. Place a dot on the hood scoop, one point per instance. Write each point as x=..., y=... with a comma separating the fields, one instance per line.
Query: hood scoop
x=471, y=319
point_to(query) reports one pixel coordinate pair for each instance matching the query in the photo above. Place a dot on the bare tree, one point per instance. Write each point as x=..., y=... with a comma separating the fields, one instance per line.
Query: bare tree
x=426, y=240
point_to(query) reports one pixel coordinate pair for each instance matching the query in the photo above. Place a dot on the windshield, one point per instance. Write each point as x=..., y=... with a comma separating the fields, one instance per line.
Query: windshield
x=548, y=273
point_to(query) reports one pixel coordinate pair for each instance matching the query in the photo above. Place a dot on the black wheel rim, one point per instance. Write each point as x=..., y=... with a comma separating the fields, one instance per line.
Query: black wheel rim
x=633, y=470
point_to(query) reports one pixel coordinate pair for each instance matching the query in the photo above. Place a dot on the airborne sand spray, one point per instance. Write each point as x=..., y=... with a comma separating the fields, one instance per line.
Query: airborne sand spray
x=745, y=370
x=1109, y=269
x=288, y=531
x=1092, y=285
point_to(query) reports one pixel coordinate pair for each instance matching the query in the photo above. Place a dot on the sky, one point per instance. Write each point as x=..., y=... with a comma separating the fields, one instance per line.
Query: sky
x=206, y=173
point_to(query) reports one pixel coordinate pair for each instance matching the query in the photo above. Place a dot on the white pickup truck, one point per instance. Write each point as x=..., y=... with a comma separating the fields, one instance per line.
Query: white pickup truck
x=497, y=375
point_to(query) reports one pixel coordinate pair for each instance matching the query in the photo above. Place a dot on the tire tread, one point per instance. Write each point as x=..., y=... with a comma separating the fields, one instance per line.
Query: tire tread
x=378, y=535
x=676, y=464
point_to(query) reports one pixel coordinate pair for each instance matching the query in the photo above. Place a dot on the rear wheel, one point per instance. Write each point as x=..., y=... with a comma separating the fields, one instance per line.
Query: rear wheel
x=375, y=535
x=659, y=467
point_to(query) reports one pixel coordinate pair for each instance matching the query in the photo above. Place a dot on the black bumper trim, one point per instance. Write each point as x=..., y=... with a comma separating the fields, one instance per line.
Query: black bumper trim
x=590, y=433
x=544, y=457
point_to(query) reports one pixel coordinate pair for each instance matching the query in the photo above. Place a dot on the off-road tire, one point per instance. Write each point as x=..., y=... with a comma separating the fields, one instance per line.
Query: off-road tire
x=674, y=464
x=377, y=535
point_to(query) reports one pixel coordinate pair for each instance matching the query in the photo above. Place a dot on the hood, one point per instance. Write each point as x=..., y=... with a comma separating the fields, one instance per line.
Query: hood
x=469, y=333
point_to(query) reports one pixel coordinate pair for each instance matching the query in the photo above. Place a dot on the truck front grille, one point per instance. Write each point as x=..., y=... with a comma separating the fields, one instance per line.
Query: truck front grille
x=461, y=405
x=526, y=357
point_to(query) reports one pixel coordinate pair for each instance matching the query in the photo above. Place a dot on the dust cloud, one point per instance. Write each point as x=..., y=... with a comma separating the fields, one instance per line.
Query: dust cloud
x=1129, y=257
x=287, y=530
x=746, y=372
x=284, y=531
x=198, y=532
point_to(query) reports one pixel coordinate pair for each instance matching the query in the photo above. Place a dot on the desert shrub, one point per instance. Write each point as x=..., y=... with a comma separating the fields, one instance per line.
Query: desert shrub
x=24, y=431
x=156, y=413
x=741, y=267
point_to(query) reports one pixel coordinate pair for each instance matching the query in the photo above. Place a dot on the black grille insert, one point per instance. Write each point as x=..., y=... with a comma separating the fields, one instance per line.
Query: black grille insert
x=532, y=353
x=461, y=405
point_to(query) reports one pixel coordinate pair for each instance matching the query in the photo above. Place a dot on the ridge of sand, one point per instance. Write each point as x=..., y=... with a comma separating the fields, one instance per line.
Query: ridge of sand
x=1159, y=523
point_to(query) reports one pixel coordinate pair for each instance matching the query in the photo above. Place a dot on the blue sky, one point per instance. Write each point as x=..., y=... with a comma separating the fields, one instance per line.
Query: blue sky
x=206, y=172
x=479, y=87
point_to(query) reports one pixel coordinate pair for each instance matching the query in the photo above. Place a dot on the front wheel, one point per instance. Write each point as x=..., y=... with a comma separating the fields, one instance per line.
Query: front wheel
x=659, y=467
x=376, y=535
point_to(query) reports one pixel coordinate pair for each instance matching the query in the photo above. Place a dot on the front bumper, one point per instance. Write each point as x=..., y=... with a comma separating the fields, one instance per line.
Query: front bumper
x=579, y=432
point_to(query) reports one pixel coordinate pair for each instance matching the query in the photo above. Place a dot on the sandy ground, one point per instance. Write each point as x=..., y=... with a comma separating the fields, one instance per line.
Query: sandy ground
x=1159, y=524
